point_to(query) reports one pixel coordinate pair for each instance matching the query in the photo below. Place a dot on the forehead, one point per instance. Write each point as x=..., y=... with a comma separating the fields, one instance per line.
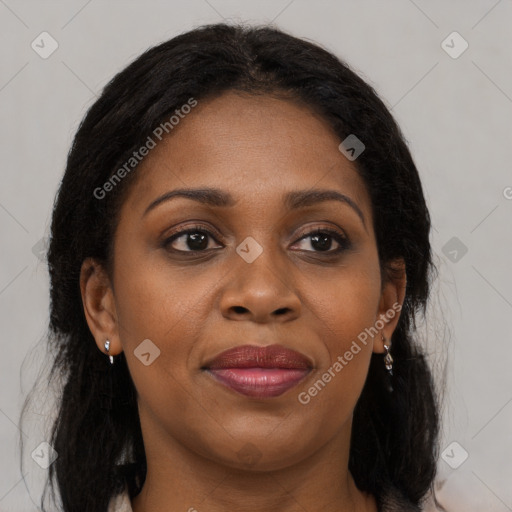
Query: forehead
x=257, y=147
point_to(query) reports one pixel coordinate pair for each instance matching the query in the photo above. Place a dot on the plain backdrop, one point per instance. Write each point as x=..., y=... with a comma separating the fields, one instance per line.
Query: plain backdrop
x=454, y=105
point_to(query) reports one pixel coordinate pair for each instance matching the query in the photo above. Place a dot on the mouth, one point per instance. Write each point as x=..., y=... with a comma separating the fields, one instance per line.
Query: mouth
x=259, y=372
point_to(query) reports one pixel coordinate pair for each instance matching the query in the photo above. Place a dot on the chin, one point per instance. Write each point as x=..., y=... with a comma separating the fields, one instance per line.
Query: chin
x=261, y=456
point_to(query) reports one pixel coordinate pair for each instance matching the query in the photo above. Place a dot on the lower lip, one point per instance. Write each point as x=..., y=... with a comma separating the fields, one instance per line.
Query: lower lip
x=259, y=382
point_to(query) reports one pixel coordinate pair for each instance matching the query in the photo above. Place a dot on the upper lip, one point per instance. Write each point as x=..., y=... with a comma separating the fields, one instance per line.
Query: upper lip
x=251, y=356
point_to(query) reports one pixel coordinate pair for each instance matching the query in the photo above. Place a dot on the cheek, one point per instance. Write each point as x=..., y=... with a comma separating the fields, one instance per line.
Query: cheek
x=170, y=307
x=155, y=301
x=153, y=305
x=346, y=304
x=345, y=310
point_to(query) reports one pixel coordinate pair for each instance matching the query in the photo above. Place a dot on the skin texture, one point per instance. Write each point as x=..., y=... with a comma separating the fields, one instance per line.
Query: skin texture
x=195, y=305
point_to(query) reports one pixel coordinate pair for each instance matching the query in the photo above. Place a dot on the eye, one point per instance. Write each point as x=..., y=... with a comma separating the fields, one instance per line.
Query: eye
x=194, y=239
x=321, y=240
x=199, y=238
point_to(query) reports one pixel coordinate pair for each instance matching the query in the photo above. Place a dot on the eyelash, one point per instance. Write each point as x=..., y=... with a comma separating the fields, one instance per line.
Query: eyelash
x=343, y=241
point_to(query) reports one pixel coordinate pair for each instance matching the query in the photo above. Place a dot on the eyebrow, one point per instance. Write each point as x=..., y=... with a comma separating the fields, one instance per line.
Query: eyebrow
x=292, y=200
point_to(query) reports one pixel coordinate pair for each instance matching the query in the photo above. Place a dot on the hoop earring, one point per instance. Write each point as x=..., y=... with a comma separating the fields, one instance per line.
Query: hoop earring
x=107, y=349
x=388, y=360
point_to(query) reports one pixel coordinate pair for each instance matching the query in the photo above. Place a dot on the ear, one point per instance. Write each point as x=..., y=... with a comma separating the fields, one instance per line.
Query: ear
x=391, y=301
x=99, y=305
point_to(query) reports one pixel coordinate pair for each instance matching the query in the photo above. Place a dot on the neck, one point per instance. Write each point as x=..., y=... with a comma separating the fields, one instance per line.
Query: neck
x=179, y=479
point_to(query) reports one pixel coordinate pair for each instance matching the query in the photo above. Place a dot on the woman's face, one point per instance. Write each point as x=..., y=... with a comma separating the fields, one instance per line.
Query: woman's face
x=249, y=273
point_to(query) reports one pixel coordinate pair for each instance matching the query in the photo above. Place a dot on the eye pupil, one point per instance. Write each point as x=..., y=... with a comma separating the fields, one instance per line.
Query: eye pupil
x=321, y=241
x=197, y=241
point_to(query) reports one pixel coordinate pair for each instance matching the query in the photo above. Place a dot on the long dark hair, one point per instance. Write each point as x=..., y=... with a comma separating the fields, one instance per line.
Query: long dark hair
x=96, y=432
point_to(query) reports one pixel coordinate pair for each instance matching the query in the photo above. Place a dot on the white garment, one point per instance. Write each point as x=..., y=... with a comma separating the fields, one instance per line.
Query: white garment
x=121, y=503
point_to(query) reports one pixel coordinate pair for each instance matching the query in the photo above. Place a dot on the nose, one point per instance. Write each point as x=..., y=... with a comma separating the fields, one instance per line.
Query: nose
x=261, y=292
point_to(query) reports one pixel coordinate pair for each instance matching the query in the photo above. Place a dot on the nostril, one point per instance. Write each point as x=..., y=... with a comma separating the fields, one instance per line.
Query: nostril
x=281, y=311
x=239, y=309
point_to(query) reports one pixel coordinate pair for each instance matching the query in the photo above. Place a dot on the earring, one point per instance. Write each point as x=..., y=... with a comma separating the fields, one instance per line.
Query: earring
x=107, y=349
x=388, y=360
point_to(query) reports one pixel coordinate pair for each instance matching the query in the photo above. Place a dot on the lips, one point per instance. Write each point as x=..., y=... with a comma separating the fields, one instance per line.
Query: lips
x=259, y=372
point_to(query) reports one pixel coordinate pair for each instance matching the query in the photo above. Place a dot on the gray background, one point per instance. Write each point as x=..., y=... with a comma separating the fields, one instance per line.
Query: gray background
x=455, y=113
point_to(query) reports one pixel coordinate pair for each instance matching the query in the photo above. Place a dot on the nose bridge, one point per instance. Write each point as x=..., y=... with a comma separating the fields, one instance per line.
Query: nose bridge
x=260, y=284
x=260, y=264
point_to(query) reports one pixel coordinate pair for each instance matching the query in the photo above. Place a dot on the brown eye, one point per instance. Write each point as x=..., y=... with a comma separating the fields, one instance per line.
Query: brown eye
x=196, y=239
x=323, y=239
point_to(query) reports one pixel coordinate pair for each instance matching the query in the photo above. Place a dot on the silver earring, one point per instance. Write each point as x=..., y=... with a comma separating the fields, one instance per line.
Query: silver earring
x=388, y=360
x=107, y=349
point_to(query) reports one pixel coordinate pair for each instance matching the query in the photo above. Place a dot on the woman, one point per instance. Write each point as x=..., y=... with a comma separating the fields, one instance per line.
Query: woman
x=239, y=248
